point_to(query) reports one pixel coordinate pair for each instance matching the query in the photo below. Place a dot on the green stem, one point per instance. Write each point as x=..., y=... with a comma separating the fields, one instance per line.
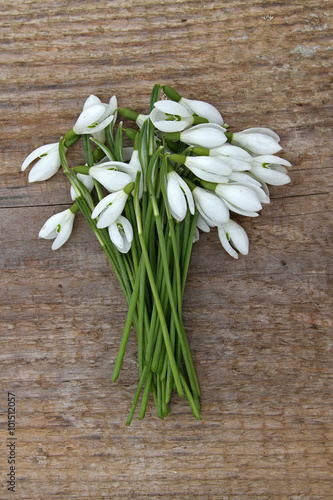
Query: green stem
x=156, y=297
x=128, y=324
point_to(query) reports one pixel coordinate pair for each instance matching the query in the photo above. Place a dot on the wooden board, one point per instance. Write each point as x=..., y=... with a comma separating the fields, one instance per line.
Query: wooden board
x=260, y=328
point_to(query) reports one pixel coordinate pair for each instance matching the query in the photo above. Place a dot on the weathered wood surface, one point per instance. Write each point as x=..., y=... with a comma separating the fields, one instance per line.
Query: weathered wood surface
x=260, y=328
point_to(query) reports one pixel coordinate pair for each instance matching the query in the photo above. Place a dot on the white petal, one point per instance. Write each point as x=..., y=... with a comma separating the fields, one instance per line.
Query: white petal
x=256, y=186
x=188, y=194
x=231, y=151
x=129, y=168
x=51, y=225
x=176, y=199
x=116, y=236
x=208, y=176
x=86, y=180
x=110, y=198
x=262, y=130
x=92, y=100
x=171, y=126
x=211, y=207
x=244, y=178
x=225, y=243
x=100, y=136
x=209, y=164
x=37, y=153
x=127, y=226
x=239, y=196
x=101, y=126
x=173, y=108
x=88, y=117
x=206, y=135
x=258, y=161
x=111, y=214
x=64, y=234
x=159, y=121
x=113, y=104
x=109, y=208
x=238, y=237
x=141, y=119
x=46, y=167
x=63, y=220
x=202, y=224
x=257, y=143
x=236, y=164
x=237, y=210
x=112, y=180
x=203, y=109
x=234, y=233
x=270, y=176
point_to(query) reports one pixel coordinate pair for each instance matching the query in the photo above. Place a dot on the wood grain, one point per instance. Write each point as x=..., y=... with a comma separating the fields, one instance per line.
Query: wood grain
x=260, y=328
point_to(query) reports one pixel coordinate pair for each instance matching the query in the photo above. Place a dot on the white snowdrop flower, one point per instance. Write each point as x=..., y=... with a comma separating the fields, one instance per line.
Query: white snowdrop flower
x=95, y=117
x=203, y=109
x=239, y=198
x=135, y=165
x=233, y=237
x=270, y=169
x=170, y=116
x=141, y=119
x=237, y=158
x=205, y=135
x=86, y=180
x=134, y=160
x=58, y=227
x=212, y=209
x=179, y=196
x=48, y=164
x=109, y=208
x=112, y=176
x=202, y=225
x=205, y=167
x=121, y=234
x=257, y=140
x=246, y=179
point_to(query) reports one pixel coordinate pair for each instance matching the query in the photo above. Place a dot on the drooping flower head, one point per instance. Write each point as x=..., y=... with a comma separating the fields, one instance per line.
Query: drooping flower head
x=110, y=208
x=257, y=140
x=121, y=234
x=113, y=175
x=179, y=196
x=86, y=180
x=95, y=116
x=48, y=164
x=170, y=116
x=212, y=209
x=58, y=227
x=270, y=169
x=203, y=109
x=233, y=237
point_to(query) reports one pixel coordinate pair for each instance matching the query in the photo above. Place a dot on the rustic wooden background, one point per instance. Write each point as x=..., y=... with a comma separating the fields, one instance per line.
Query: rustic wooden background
x=260, y=328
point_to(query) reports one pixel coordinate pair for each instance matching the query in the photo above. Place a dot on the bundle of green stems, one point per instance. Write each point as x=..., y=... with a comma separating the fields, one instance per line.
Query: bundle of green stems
x=152, y=274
